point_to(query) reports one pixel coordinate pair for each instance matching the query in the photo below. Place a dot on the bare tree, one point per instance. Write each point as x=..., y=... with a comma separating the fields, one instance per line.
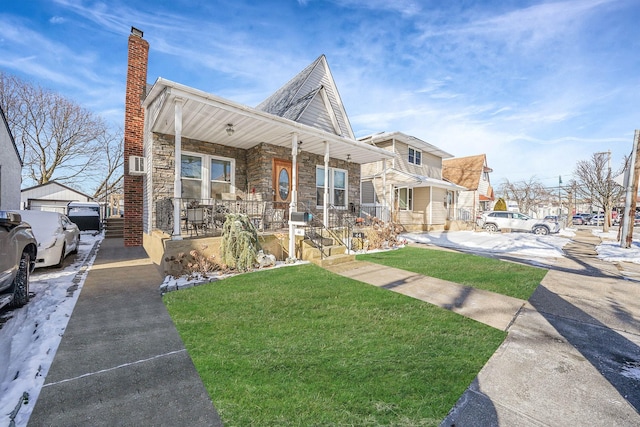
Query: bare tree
x=109, y=166
x=59, y=139
x=527, y=194
x=595, y=178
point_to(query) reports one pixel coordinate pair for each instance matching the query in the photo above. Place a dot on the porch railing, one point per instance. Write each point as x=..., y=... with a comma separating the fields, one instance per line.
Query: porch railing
x=205, y=217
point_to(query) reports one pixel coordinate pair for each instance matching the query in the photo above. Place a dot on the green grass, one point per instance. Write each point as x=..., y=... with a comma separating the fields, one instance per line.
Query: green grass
x=300, y=346
x=506, y=278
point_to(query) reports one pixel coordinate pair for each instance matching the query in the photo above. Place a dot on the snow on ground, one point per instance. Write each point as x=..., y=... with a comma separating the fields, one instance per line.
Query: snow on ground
x=30, y=335
x=542, y=249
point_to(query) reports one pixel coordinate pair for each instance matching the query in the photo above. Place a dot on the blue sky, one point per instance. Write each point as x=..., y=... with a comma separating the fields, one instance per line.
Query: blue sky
x=536, y=85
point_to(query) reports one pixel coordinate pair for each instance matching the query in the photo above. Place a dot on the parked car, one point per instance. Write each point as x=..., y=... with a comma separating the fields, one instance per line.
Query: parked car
x=596, y=219
x=499, y=220
x=578, y=220
x=617, y=220
x=18, y=249
x=57, y=236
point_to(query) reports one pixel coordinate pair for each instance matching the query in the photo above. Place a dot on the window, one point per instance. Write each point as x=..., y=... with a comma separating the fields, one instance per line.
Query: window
x=368, y=193
x=220, y=177
x=191, y=177
x=338, y=184
x=194, y=167
x=339, y=188
x=415, y=156
x=404, y=198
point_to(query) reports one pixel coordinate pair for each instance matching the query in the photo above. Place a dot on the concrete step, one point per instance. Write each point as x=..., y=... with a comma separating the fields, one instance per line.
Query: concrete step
x=114, y=227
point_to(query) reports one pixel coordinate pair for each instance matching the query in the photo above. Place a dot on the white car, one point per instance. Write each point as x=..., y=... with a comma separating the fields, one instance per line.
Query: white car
x=57, y=236
x=493, y=221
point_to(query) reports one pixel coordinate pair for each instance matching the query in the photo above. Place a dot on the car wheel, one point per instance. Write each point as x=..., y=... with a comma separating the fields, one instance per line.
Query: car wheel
x=64, y=248
x=75, y=251
x=541, y=230
x=21, y=282
x=491, y=228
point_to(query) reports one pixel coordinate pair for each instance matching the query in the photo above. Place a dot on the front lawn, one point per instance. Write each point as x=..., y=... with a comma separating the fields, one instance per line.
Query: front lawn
x=302, y=346
x=506, y=278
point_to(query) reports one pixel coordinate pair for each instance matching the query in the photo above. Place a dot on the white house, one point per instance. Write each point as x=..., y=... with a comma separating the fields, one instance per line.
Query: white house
x=410, y=184
x=52, y=196
x=10, y=168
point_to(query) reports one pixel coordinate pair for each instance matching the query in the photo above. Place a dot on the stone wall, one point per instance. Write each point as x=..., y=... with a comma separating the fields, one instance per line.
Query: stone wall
x=254, y=169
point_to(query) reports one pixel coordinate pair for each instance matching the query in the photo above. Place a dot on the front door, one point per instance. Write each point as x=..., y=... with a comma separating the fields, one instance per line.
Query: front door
x=282, y=182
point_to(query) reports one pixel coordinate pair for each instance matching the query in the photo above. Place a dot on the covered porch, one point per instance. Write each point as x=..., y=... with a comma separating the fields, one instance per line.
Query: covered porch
x=208, y=156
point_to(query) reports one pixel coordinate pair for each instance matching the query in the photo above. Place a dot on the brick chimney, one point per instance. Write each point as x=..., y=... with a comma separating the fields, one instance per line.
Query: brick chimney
x=134, y=136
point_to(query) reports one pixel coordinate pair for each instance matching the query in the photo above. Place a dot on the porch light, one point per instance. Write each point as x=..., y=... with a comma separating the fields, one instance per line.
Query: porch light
x=299, y=146
x=230, y=130
x=348, y=158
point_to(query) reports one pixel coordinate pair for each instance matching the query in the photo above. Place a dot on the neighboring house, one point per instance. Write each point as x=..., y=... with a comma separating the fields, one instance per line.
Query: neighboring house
x=52, y=196
x=409, y=187
x=10, y=167
x=295, y=151
x=471, y=172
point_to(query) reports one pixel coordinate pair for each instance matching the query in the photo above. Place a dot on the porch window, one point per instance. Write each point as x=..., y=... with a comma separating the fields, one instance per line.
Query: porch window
x=339, y=188
x=404, y=198
x=338, y=184
x=191, y=176
x=220, y=177
x=415, y=156
x=195, y=168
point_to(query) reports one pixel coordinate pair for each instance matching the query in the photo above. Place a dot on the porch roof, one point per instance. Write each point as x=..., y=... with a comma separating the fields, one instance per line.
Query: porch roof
x=398, y=177
x=205, y=118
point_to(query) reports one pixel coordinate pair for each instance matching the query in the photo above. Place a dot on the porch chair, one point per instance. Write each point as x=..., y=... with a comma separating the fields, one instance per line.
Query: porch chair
x=195, y=220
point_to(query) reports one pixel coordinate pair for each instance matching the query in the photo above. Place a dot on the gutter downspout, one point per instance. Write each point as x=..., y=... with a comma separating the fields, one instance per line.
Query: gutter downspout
x=177, y=170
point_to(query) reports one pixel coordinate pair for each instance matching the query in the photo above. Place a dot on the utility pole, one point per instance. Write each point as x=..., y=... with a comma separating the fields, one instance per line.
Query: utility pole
x=631, y=196
x=559, y=199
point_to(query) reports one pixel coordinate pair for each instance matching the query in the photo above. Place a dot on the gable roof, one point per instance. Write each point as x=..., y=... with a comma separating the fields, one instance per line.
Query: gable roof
x=465, y=171
x=13, y=141
x=57, y=184
x=311, y=97
x=407, y=139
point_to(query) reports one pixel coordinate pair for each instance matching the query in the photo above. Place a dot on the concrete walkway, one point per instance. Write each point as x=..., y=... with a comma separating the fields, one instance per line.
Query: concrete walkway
x=121, y=361
x=572, y=354
x=571, y=357
x=487, y=307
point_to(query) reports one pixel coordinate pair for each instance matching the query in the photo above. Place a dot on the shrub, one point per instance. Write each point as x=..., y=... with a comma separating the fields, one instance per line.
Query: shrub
x=240, y=246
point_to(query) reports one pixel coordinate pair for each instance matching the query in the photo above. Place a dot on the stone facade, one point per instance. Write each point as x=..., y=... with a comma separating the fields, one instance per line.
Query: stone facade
x=254, y=169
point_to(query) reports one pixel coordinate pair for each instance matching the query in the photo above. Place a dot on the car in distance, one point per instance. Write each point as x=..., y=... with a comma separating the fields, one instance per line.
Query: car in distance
x=493, y=221
x=578, y=220
x=18, y=249
x=596, y=219
x=57, y=236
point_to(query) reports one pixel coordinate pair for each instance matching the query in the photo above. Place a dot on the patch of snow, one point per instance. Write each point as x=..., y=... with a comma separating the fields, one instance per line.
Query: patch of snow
x=30, y=335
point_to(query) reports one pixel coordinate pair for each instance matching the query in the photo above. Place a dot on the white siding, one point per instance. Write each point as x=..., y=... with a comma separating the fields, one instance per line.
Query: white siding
x=10, y=171
x=51, y=192
x=316, y=115
x=321, y=77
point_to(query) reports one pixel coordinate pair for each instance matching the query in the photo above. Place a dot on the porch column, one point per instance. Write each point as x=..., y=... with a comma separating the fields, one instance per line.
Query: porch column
x=294, y=194
x=325, y=199
x=385, y=202
x=177, y=170
x=430, y=206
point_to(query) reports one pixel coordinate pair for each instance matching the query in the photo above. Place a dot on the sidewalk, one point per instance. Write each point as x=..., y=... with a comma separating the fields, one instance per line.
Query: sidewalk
x=572, y=355
x=121, y=360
